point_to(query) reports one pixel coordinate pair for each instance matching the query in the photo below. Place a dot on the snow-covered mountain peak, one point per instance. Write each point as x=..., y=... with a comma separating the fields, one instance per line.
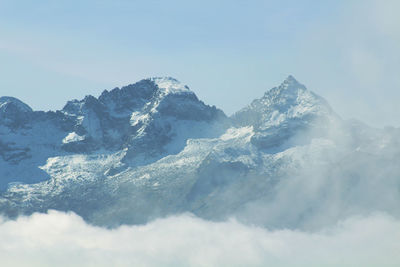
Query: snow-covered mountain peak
x=170, y=85
x=290, y=82
x=8, y=102
x=284, y=111
x=288, y=91
x=148, y=119
x=291, y=94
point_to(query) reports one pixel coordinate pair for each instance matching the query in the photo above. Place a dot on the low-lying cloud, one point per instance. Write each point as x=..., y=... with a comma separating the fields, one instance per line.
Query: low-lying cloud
x=64, y=239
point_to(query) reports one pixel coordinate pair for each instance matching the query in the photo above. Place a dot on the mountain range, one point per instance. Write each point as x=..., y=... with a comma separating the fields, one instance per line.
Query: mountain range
x=153, y=149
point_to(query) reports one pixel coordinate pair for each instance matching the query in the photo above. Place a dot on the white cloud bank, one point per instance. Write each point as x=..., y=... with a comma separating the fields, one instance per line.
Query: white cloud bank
x=64, y=239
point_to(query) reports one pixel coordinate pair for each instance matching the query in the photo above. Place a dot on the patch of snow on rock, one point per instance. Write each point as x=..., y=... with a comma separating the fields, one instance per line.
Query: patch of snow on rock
x=234, y=133
x=171, y=85
x=73, y=137
x=137, y=117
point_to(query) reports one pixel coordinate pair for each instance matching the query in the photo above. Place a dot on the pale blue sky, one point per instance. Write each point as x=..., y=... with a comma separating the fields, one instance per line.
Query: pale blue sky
x=228, y=52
